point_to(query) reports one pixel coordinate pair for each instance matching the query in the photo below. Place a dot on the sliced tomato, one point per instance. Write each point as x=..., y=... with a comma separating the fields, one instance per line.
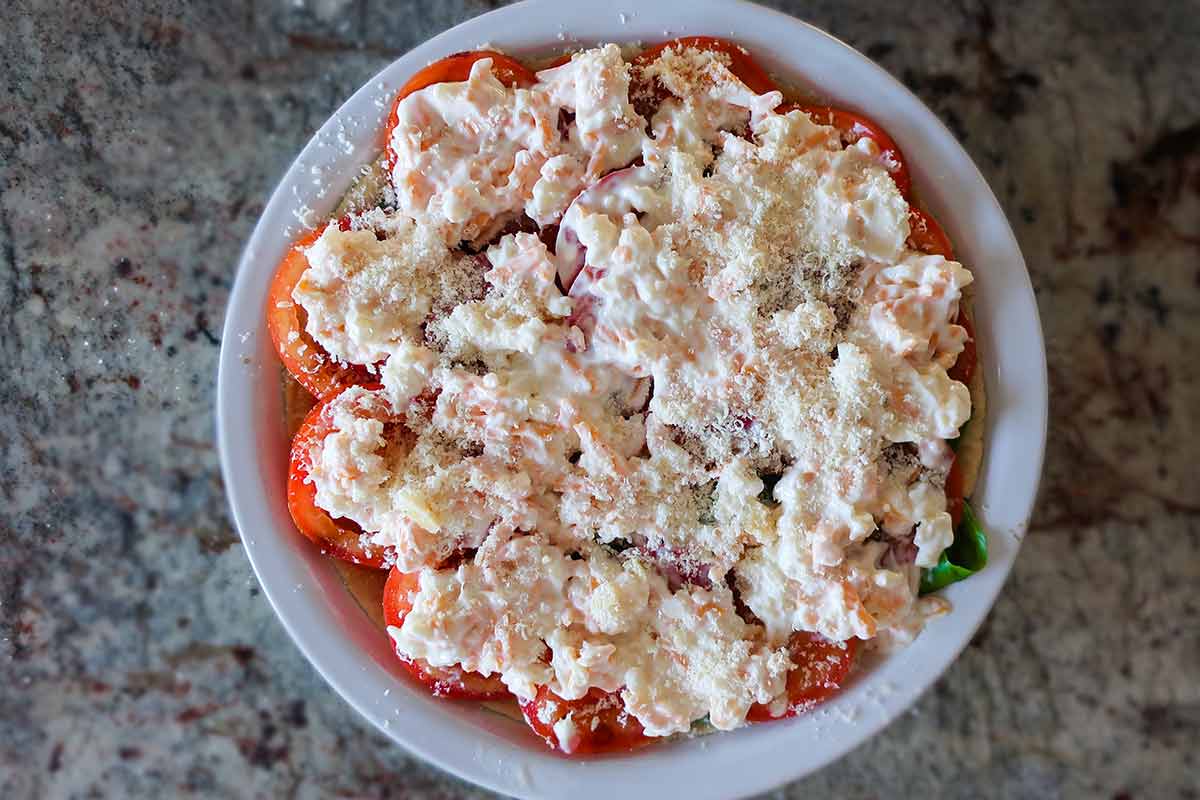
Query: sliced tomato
x=339, y=537
x=853, y=127
x=741, y=63
x=305, y=360
x=397, y=595
x=454, y=69
x=819, y=669
x=451, y=682
x=601, y=724
x=927, y=236
x=954, y=492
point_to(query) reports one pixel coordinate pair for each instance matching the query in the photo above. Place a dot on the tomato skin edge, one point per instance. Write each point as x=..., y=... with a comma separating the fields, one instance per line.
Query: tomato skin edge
x=954, y=492
x=454, y=68
x=301, y=355
x=819, y=671
x=340, y=539
x=614, y=730
x=968, y=358
x=927, y=236
x=742, y=63
x=854, y=126
x=450, y=683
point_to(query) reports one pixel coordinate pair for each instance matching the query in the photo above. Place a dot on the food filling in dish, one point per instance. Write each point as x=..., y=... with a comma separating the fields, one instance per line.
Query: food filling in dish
x=646, y=386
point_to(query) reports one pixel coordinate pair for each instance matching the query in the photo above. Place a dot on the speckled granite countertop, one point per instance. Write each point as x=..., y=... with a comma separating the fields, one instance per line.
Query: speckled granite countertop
x=137, y=147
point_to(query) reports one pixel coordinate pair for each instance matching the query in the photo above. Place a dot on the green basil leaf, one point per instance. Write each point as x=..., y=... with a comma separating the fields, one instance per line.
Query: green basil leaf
x=962, y=559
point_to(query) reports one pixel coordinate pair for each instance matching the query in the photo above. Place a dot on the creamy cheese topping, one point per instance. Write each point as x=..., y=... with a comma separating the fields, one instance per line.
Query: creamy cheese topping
x=472, y=155
x=727, y=430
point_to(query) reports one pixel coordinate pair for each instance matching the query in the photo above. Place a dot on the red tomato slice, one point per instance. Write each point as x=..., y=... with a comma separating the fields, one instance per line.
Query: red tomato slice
x=854, y=127
x=601, y=723
x=397, y=595
x=305, y=360
x=954, y=492
x=741, y=63
x=454, y=69
x=820, y=668
x=338, y=537
x=926, y=235
x=451, y=682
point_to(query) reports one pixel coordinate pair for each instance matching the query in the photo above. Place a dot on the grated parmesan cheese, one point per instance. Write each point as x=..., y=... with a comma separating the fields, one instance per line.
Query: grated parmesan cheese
x=750, y=276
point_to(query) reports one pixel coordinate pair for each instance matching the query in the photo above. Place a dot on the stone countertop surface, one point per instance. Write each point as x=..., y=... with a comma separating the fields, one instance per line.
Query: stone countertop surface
x=138, y=144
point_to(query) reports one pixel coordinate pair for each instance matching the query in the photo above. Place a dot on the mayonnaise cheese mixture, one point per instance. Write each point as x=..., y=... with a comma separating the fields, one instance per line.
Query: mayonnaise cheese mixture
x=729, y=428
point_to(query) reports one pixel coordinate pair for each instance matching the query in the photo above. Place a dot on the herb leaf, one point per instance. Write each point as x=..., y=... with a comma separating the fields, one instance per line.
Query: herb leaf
x=962, y=559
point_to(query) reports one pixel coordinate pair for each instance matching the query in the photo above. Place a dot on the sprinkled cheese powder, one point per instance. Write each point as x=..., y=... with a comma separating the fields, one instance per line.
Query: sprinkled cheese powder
x=723, y=433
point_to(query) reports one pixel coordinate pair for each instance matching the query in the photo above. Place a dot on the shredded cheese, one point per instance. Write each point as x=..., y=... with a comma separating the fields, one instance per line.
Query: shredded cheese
x=750, y=277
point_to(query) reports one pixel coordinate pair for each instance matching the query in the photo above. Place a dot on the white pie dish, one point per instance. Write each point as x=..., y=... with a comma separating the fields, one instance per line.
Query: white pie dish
x=476, y=744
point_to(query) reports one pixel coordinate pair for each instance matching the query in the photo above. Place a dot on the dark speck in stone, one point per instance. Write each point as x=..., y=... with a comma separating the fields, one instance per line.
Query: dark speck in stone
x=1149, y=184
x=296, y=715
x=1109, y=333
x=129, y=753
x=934, y=86
x=55, y=758
x=880, y=49
x=200, y=779
x=161, y=33
x=954, y=122
x=193, y=713
x=981, y=636
x=171, y=351
x=242, y=654
x=1104, y=292
x=1170, y=720
x=249, y=73
x=201, y=329
x=263, y=751
x=1151, y=298
x=123, y=267
x=1175, y=144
